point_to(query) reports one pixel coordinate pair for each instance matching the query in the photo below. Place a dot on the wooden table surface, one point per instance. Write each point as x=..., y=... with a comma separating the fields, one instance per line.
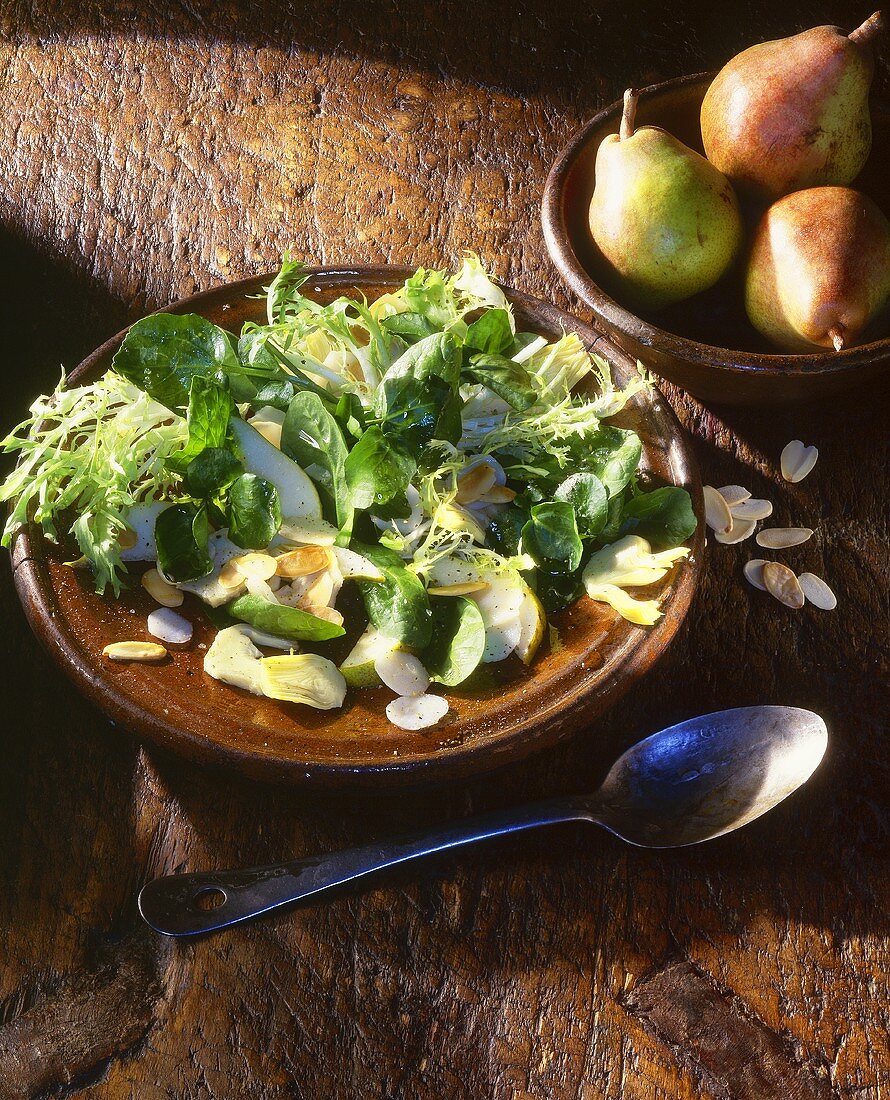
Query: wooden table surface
x=151, y=150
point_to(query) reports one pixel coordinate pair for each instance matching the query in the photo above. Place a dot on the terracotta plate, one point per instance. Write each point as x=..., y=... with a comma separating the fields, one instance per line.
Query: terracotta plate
x=176, y=705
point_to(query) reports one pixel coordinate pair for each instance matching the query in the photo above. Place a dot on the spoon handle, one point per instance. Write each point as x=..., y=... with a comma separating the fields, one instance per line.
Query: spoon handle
x=185, y=905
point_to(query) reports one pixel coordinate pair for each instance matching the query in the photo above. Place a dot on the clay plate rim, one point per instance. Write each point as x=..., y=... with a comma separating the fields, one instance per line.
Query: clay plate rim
x=741, y=363
x=574, y=709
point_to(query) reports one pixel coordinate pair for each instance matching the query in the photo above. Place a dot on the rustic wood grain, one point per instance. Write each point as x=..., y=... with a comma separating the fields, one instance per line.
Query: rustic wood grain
x=147, y=152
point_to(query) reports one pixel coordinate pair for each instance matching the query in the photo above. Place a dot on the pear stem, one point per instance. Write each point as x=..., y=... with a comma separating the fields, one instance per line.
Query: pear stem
x=838, y=336
x=870, y=29
x=628, y=118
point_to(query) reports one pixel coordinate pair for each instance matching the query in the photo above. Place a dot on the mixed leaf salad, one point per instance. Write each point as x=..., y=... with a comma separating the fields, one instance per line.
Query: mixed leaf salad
x=418, y=447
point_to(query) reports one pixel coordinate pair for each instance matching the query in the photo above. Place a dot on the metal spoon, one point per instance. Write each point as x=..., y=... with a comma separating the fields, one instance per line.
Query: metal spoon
x=689, y=783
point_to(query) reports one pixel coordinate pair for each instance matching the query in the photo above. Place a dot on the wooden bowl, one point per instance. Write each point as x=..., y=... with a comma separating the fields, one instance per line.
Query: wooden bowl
x=705, y=344
x=176, y=705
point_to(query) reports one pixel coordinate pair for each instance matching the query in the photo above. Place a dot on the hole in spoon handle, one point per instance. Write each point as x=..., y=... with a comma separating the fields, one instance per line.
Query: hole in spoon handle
x=187, y=905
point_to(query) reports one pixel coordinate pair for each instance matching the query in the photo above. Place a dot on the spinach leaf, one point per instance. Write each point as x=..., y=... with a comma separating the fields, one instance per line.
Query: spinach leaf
x=181, y=533
x=213, y=469
x=209, y=410
x=613, y=454
x=350, y=414
x=587, y=495
x=551, y=534
x=410, y=327
x=610, y=531
x=502, y=376
x=437, y=355
x=420, y=410
x=458, y=640
x=253, y=512
x=491, y=332
x=663, y=517
x=161, y=354
x=377, y=470
x=313, y=439
x=283, y=621
x=277, y=394
x=398, y=606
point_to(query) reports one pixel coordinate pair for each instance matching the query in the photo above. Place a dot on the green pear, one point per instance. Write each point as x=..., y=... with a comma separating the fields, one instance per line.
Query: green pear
x=819, y=269
x=665, y=220
x=793, y=113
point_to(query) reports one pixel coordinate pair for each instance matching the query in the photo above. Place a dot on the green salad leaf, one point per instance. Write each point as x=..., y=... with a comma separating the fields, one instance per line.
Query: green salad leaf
x=421, y=410
x=502, y=376
x=491, y=333
x=438, y=355
x=209, y=409
x=284, y=622
x=181, y=534
x=398, y=606
x=312, y=437
x=505, y=530
x=162, y=353
x=377, y=470
x=409, y=327
x=211, y=471
x=613, y=454
x=253, y=511
x=458, y=640
x=551, y=534
x=663, y=517
x=587, y=496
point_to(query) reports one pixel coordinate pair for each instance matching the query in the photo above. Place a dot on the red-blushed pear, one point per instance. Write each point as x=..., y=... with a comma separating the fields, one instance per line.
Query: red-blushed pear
x=663, y=218
x=819, y=269
x=793, y=113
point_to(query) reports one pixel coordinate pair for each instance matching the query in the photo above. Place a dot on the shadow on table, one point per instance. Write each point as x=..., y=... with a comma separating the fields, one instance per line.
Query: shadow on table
x=51, y=316
x=530, y=48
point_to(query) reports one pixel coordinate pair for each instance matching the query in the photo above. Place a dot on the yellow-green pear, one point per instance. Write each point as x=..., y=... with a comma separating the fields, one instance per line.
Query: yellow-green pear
x=665, y=221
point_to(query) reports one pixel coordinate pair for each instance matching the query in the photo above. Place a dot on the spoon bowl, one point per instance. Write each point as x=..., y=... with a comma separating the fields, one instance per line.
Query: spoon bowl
x=687, y=784
x=709, y=775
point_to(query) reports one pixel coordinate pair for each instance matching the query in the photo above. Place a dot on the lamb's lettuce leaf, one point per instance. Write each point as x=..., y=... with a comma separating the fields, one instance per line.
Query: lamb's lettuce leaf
x=551, y=534
x=587, y=496
x=663, y=517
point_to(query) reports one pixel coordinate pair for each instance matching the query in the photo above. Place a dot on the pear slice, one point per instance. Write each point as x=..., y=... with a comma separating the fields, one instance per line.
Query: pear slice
x=499, y=603
x=532, y=622
x=296, y=490
x=141, y=521
x=358, y=667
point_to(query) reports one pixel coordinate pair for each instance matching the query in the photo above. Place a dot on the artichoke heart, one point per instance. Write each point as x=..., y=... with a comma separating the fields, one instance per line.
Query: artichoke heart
x=629, y=563
x=303, y=678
